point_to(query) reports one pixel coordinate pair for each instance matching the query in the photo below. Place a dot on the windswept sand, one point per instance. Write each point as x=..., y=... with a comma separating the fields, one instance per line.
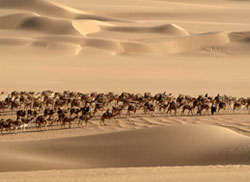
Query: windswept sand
x=195, y=147
x=187, y=173
x=181, y=145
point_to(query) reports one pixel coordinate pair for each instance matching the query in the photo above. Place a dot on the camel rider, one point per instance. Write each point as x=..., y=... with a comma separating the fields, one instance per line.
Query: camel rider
x=85, y=110
x=108, y=113
x=217, y=97
x=199, y=110
x=160, y=98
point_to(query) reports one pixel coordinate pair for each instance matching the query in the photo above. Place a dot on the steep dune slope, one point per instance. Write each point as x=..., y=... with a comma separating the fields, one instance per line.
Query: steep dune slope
x=42, y=7
x=36, y=23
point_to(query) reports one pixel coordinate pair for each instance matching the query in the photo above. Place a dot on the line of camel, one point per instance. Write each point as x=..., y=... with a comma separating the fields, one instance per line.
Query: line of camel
x=49, y=108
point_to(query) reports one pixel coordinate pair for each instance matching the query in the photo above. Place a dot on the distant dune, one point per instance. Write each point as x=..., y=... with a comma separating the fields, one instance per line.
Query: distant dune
x=47, y=17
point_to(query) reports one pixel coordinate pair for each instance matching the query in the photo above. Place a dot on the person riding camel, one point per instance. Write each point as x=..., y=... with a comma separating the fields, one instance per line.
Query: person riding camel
x=160, y=98
x=108, y=113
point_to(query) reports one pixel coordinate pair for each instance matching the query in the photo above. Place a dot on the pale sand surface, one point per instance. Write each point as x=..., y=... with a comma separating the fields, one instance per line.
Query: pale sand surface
x=183, y=46
x=188, y=173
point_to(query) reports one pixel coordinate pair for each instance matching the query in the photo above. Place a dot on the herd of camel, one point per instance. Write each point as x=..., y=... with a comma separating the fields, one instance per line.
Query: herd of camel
x=49, y=108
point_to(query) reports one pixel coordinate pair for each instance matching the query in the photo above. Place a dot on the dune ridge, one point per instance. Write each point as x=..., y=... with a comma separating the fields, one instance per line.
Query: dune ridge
x=43, y=7
x=168, y=29
x=174, y=145
x=37, y=23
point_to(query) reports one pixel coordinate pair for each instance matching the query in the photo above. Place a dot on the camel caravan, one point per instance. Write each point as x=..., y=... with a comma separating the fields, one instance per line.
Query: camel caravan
x=43, y=110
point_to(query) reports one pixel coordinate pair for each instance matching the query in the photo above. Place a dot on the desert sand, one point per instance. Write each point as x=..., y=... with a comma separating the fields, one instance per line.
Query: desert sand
x=135, y=149
x=179, y=46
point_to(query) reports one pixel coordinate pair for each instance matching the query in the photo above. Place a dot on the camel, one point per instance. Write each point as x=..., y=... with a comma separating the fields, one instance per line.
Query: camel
x=61, y=114
x=49, y=102
x=20, y=114
x=31, y=113
x=131, y=108
x=236, y=106
x=117, y=110
x=163, y=106
x=37, y=104
x=85, y=118
x=16, y=124
x=75, y=103
x=205, y=107
x=20, y=124
x=15, y=104
x=25, y=123
x=106, y=115
x=74, y=111
x=148, y=108
x=68, y=120
x=27, y=104
x=48, y=112
x=6, y=125
x=41, y=121
x=172, y=107
x=99, y=107
x=222, y=106
x=85, y=110
x=3, y=105
x=187, y=107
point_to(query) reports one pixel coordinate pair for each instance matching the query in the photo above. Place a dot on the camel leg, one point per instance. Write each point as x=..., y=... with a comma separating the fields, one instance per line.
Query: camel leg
x=182, y=112
x=79, y=123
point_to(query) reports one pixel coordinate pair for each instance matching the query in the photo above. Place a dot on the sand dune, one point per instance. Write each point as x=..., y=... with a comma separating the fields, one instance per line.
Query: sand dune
x=42, y=7
x=184, y=44
x=168, y=30
x=14, y=42
x=240, y=36
x=92, y=31
x=89, y=26
x=49, y=8
x=197, y=42
x=174, y=145
x=232, y=173
x=37, y=23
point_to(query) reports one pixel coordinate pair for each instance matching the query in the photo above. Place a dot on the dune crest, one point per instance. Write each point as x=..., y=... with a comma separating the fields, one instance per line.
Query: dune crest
x=37, y=23
x=196, y=42
x=43, y=7
x=89, y=26
x=169, y=29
